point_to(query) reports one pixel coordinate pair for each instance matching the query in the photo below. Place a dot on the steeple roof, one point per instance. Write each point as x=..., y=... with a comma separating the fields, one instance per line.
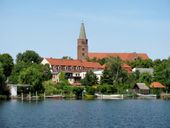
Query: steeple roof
x=82, y=32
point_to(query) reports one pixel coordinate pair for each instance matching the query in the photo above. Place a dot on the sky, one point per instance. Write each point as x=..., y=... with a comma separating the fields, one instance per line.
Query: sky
x=51, y=27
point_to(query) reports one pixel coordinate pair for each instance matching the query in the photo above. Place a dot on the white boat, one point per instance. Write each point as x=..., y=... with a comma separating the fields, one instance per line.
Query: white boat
x=146, y=96
x=112, y=96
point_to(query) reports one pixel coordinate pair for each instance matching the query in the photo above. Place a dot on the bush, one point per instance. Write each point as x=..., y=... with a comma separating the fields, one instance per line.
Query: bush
x=51, y=88
x=78, y=92
x=106, y=89
x=3, y=97
x=90, y=90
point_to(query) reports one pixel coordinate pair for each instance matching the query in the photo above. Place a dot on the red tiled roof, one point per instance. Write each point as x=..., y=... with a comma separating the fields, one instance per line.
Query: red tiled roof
x=65, y=62
x=127, y=68
x=123, y=56
x=156, y=85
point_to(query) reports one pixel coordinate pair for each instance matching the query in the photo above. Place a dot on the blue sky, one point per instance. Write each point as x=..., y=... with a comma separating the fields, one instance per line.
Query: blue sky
x=51, y=27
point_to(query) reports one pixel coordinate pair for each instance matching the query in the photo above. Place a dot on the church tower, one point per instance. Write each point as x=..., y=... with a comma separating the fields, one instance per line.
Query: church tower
x=82, y=44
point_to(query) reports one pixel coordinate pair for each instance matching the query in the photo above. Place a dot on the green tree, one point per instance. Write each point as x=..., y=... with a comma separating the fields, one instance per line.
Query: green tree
x=90, y=79
x=114, y=73
x=140, y=63
x=162, y=72
x=29, y=56
x=145, y=78
x=18, y=67
x=62, y=79
x=2, y=79
x=32, y=76
x=67, y=58
x=7, y=64
x=106, y=89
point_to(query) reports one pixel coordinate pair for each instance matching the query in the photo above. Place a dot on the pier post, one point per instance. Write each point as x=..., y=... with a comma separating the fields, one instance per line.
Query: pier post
x=29, y=95
x=44, y=95
x=22, y=97
x=36, y=96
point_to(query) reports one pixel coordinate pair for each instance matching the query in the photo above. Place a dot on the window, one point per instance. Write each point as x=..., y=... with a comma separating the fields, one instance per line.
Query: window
x=83, y=54
x=83, y=49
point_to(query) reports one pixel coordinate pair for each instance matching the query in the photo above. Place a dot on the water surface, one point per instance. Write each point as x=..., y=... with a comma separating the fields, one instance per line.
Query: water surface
x=85, y=114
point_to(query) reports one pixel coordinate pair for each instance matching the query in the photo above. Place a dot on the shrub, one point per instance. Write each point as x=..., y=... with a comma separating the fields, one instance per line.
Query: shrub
x=106, y=89
x=90, y=90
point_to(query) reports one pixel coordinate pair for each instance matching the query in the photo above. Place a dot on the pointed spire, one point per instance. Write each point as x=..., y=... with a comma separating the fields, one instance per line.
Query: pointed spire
x=82, y=32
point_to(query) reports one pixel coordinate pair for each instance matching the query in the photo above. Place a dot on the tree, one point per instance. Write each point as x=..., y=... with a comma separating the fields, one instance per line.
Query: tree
x=140, y=63
x=145, y=78
x=34, y=76
x=90, y=79
x=7, y=64
x=2, y=79
x=106, y=89
x=29, y=56
x=18, y=67
x=114, y=73
x=162, y=72
x=62, y=79
x=67, y=58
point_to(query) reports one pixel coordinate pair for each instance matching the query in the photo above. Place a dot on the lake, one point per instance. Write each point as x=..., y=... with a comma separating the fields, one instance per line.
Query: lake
x=85, y=114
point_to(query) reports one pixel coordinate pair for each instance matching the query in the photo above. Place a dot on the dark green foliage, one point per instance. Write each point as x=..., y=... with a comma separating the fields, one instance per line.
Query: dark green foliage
x=140, y=63
x=62, y=79
x=29, y=56
x=2, y=79
x=101, y=61
x=78, y=91
x=67, y=58
x=90, y=79
x=106, y=89
x=32, y=76
x=162, y=72
x=7, y=64
x=13, y=79
x=113, y=72
x=145, y=78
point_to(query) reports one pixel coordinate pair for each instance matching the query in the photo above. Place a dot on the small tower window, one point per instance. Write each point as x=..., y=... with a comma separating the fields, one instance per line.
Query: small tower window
x=83, y=49
x=83, y=54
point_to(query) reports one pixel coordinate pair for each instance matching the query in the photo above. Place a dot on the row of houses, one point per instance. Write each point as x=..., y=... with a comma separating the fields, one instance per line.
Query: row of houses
x=75, y=70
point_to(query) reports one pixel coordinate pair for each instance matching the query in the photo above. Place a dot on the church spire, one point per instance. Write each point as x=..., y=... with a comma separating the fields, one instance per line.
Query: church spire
x=82, y=32
x=82, y=44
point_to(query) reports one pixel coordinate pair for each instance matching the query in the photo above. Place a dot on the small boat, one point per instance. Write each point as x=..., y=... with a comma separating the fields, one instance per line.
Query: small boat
x=112, y=96
x=55, y=96
x=146, y=96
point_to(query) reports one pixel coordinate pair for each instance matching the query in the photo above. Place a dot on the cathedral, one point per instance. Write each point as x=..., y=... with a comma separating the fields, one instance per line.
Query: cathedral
x=83, y=53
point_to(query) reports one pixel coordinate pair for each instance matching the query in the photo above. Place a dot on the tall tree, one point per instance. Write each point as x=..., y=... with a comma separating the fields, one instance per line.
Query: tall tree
x=162, y=72
x=140, y=63
x=90, y=79
x=2, y=79
x=29, y=56
x=145, y=78
x=114, y=73
x=32, y=76
x=7, y=64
